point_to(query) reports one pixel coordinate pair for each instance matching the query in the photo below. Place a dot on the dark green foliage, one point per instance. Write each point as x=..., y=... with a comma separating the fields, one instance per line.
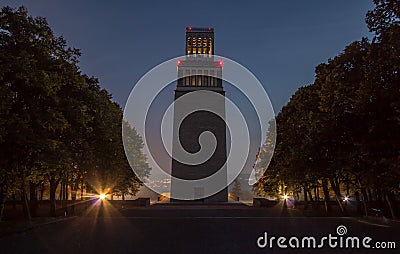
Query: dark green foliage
x=57, y=126
x=236, y=189
x=345, y=127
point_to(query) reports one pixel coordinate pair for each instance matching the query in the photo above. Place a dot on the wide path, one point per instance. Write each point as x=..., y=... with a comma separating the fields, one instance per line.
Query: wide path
x=169, y=229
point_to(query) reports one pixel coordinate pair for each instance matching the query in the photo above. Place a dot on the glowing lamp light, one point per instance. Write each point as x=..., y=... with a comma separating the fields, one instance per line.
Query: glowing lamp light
x=285, y=196
x=346, y=198
x=179, y=62
x=102, y=196
x=220, y=63
x=189, y=28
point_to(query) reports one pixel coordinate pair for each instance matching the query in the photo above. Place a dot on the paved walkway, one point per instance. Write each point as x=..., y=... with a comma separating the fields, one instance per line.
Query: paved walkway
x=190, y=229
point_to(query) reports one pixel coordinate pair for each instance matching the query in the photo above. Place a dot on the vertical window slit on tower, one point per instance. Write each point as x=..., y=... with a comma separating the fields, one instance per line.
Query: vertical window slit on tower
x=199, y=45
x=193, y=77
x=206, y=78
x=188, y=45
x=187, y=78
x=194, y=45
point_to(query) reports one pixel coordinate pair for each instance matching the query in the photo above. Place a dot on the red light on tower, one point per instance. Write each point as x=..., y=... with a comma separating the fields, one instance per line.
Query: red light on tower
x=189, y=28
x=220, y=63
x=179, y=62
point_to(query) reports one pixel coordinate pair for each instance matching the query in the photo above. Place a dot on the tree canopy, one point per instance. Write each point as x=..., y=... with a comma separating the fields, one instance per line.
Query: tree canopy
x=344, y=129
x=58, y=128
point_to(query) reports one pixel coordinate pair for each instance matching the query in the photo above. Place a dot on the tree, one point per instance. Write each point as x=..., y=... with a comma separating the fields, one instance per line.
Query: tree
x=57, y=126
x=236, y=190
x=384, y=17
x=33, y=63
x=343, y=129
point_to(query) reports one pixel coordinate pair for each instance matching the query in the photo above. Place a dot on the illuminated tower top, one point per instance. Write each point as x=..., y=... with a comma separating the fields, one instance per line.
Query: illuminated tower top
x=198, y=70
x=199, y=40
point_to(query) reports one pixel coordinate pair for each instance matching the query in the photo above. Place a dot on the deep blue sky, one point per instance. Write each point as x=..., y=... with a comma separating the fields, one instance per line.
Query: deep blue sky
x=281, y=42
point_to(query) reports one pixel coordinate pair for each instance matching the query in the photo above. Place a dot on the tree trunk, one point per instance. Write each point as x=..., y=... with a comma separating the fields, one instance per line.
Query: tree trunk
x=358, y=203
x=25, y=205
x=305, y=198
x=326, y=196
x=61, y=194
x=379, y=195
x=389, y=202
x=14, y=203
x=370, y=196
x=74, y=190
x=336, y=188
x=41, y=191
x=123, y=196
x=311, y=198
x=24, y=197
x=82, y=188
x=66, y=190
x=33, y=204
x=53, y=189
x=365, y=199
x=2, y=205
x=338, y=199
x=316, y=197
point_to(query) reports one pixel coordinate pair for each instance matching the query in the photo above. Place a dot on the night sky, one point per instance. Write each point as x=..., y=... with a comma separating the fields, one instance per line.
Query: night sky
x=281, y=42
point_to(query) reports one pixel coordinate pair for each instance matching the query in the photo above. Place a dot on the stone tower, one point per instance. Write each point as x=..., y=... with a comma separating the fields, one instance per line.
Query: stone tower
x=199, y=71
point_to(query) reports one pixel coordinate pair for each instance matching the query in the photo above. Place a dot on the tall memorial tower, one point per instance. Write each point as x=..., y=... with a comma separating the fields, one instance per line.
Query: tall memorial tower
x=199, y=71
